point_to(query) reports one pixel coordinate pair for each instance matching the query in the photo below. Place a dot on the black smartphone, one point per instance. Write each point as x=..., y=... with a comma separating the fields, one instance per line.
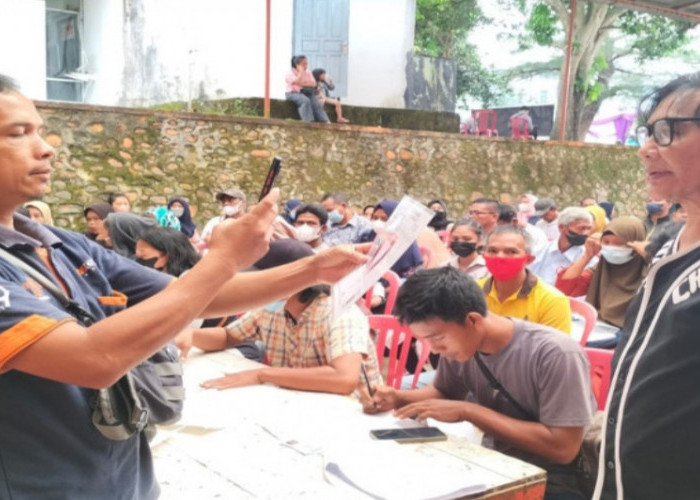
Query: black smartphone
x=411, y=435
x=271, y=175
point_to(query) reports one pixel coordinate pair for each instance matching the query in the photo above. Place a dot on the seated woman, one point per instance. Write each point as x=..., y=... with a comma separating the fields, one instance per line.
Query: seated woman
x=95, y=215
x=39, y=212
x=181, y=209
x=465, y=240
x=440, y=221
x=324, y=84
x=166, y=249
x=612, y=283
x=301, y=90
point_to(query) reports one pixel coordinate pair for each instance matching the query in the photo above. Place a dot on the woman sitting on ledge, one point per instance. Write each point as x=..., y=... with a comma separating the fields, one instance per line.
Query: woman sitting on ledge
x=301, y=90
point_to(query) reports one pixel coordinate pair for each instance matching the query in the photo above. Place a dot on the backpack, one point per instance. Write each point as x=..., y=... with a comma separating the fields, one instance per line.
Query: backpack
x=150, y=393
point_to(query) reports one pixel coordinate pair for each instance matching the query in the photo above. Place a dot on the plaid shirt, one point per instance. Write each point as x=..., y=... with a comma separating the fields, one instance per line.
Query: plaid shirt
x=314, y=340
x=349, y=233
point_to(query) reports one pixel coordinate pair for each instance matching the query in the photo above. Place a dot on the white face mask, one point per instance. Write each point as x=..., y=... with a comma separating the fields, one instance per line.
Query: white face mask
x=307, y=233
x=616, y=255
x=231, y=210
x=378, y=224
x=523, y=207
x=178, y=211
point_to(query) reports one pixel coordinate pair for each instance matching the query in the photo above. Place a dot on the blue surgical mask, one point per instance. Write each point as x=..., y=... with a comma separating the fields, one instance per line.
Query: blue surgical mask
x=616, y=255
x=334, y=217
x=654, y=208
x=275, y=306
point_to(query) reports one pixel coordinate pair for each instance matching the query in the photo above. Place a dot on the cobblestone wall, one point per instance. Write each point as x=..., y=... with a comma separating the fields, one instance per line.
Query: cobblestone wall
x=154, y=155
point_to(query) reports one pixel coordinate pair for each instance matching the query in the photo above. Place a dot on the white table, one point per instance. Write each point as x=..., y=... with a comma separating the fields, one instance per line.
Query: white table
x=267, y=442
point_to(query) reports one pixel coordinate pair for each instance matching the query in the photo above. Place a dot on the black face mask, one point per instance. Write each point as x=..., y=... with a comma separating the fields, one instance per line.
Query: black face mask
x=147, y=262
x=463, y=248
x=575, y=239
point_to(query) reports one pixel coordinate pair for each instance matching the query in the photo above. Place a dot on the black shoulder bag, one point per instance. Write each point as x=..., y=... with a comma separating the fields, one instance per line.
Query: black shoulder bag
x=150, y=393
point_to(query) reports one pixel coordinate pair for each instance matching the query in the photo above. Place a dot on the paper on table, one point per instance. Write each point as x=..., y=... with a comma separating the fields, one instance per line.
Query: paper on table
x=391, y=242
x=390, y=470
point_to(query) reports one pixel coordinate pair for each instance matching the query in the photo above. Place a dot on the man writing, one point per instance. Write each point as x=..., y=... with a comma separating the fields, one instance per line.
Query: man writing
x=545, y=374
x=50, y=364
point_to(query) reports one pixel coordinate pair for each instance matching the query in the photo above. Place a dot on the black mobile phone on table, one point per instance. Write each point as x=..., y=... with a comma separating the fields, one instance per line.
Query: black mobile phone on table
x=410, y=435
x=271, y=175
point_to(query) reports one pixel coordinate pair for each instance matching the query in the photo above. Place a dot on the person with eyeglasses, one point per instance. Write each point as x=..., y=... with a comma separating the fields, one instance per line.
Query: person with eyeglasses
x=485, y=212
x=650, y=444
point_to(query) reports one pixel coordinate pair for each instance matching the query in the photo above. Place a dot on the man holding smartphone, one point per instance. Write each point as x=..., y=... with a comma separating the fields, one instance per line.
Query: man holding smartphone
x=529, y=384
x=51, y=364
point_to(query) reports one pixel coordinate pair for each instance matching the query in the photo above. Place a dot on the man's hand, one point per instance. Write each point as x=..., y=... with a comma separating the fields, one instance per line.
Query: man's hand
x=384, y=399
x=232, y=380
x=333, y=264
x=639, y=246
x=241, y=242
x=444, y=410
x=183, y=341
x=592, y=245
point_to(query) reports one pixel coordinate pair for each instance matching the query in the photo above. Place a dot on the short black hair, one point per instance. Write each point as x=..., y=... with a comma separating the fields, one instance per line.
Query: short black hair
x=511, y=229
x=443, y=293
x=682, y=85
x=471, y=224
x=314, y=209
x=297, y=59
x=491, y=202
x=111, y=197
x=507, y=214
x=317, y=73
x=7, y=85
x=336, y=197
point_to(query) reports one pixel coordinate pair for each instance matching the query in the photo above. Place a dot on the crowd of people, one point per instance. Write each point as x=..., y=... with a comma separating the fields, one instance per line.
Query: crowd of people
x=489, y=290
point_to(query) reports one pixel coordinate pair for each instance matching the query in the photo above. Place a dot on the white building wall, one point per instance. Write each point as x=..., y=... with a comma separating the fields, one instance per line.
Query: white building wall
x=23, y=42
x=381, y=34
x=103, y=45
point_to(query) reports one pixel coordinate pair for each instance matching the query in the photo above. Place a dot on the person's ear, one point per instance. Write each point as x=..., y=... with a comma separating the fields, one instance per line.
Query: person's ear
x=530, y=259
x=473, y=319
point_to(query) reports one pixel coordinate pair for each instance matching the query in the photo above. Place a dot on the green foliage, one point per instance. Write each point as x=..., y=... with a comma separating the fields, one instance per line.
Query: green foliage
x=442, y=30
x=651, y=36
x=543, y=25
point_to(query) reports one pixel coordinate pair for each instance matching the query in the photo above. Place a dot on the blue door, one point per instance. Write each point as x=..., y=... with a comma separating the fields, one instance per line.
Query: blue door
x=321, y=34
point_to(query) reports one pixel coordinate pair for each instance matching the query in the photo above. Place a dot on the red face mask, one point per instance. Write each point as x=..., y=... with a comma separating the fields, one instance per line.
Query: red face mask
x=505, y=268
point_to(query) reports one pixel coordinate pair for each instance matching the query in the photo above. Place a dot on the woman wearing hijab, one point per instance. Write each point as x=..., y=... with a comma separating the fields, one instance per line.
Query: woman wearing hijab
x=121, y=231
x=95, y=215
x=39, y=212
x=182, y=211
x=612, y=283
x=439, y=222
x=599, y=219
x=411, y=260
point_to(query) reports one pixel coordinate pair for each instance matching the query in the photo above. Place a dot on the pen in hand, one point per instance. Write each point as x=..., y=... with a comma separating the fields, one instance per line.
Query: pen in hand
x=369, y=387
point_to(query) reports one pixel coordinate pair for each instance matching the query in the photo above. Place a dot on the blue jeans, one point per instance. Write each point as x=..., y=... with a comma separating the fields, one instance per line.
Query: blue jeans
x=310, y=108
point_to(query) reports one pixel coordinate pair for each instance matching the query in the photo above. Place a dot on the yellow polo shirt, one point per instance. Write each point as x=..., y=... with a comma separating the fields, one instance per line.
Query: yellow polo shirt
x=536, y=302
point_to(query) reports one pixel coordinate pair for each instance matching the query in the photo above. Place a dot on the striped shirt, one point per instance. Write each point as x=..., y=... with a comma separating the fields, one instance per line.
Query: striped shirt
x=313, y=340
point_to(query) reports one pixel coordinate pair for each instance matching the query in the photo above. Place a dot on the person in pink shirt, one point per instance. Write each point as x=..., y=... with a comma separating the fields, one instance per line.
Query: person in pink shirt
x=301, y=90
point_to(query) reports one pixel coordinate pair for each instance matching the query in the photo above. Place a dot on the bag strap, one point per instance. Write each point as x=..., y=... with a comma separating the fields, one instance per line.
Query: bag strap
x=497, y=386
x=85, y=317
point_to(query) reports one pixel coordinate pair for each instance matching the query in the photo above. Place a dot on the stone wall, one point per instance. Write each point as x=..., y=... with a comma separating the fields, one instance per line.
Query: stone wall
x=154, y=155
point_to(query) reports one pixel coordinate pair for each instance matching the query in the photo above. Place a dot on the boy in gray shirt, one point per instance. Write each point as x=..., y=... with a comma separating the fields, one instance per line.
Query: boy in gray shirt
x=545, y=373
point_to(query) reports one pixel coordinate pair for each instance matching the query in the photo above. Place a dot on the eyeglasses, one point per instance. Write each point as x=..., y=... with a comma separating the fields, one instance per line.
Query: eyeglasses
x=476, y=212
x=661, y=130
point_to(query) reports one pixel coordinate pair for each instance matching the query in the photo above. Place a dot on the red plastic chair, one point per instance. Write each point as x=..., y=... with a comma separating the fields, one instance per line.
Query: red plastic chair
x=601, y=372
x=393, y=279
x=519, y=128
x=486, y=120
x=590, y=315
x=395, y=337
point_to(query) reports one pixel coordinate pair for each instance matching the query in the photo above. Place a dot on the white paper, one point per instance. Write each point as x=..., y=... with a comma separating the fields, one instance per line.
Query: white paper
x=401, y=230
